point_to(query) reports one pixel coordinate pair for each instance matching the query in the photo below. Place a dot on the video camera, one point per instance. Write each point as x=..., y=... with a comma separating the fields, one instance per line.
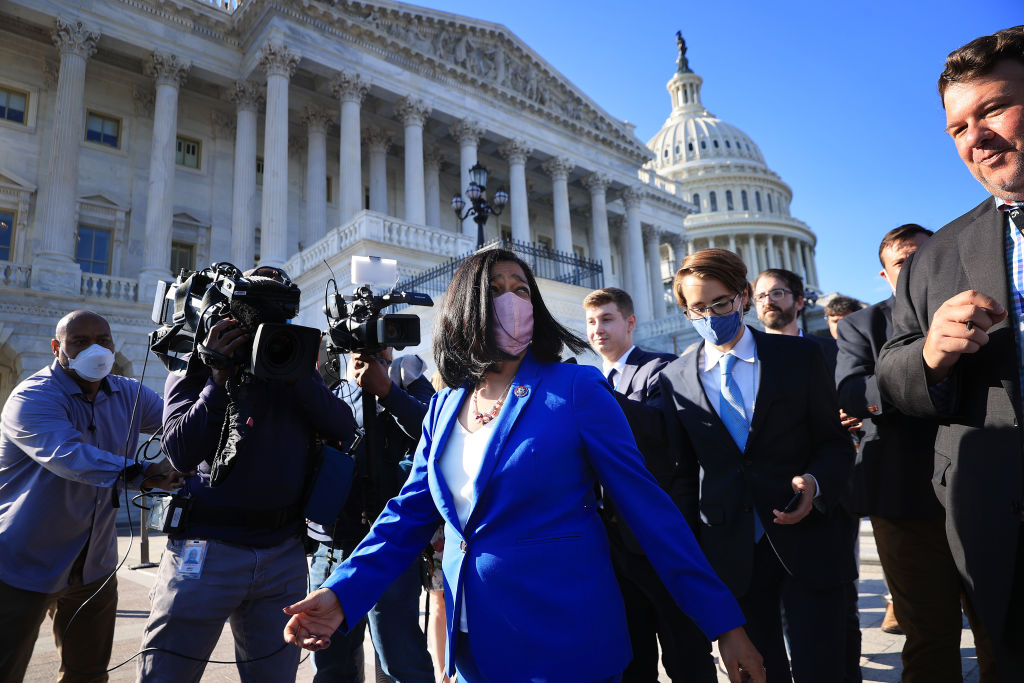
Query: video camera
x=355, y=323
x=197, y=300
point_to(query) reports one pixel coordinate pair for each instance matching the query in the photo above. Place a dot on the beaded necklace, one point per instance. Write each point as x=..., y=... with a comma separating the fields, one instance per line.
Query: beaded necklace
x=484, y=418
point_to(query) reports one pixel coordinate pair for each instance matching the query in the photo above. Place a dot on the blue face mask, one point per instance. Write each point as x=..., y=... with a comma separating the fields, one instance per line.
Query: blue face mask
x=718, y=330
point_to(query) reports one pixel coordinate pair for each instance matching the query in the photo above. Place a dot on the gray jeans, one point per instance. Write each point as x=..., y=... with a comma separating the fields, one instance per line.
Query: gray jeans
x=249, y=587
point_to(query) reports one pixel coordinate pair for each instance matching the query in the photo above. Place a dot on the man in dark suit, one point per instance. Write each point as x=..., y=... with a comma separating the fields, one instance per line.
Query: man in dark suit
x=741, y=460
x=892, y=484
x=651, y=615
x=955, y=355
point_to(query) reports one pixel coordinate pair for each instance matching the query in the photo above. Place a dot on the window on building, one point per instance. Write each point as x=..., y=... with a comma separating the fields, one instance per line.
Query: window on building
x=696, y=201
x=103, y=130
x=703, y=144
x=366, y=196
x=715, y=142
x=6, y=234
x=677, y=149
x=93, y=249
x=187, y=152
x=183, y=257
x=728, y=146
x=330, y=189
x=770, y=209
x=578, y=251
x=757, y=200
x=713, y=198
x=728, y=200
x=689, y=146
x=666, y=152
x=259, y=171
x=13, y=105
x=743, y=200
x=545, y=242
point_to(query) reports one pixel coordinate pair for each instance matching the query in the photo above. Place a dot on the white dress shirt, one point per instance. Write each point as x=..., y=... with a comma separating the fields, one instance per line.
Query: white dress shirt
x=618, y=366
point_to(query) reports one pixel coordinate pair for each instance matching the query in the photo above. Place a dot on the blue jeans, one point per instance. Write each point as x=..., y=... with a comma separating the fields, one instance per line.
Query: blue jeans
x=397, y=638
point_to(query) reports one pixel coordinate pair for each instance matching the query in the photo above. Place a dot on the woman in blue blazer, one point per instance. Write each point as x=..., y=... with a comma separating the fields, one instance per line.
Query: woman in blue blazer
x=529, y=587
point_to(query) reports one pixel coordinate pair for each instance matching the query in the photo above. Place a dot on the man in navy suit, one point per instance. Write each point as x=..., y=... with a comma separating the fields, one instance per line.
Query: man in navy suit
x=956, y=351
x=754, y=419
x=651, y=614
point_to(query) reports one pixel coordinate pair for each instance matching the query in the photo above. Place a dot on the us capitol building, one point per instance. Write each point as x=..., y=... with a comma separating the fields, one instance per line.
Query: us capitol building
x=140, y=137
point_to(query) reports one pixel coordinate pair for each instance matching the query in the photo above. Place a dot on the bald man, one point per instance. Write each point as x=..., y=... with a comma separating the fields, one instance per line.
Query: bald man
x=66, y=447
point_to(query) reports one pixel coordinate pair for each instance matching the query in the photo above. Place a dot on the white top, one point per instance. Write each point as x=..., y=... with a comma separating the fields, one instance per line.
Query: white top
x=460, y=465
x=746, y=372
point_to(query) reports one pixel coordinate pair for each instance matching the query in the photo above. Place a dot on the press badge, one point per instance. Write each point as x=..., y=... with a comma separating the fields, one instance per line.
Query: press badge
x=193, y=556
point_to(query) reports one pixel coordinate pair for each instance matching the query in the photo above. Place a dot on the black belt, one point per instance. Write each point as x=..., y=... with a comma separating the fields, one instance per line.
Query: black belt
x=210, y=514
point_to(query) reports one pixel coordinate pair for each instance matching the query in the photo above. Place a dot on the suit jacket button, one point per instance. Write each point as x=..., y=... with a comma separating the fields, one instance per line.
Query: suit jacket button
x=463, y=546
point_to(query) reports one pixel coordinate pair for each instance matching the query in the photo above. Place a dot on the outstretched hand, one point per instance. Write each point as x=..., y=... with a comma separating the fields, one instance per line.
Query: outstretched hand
x=741, y=659
x=314, y=619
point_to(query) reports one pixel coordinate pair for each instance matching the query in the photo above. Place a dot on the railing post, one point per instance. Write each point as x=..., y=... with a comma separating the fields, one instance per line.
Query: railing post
x=144, y=562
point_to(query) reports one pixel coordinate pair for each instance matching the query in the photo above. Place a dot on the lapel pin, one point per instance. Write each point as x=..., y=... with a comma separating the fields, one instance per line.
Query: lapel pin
x=521, y=391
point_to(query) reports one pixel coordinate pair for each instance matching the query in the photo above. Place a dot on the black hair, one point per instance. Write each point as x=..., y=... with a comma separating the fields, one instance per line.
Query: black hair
x=464, y=343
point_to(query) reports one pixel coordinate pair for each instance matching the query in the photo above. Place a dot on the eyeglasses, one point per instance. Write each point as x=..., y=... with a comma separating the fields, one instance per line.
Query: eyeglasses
x=723, y=307
x=773, y=294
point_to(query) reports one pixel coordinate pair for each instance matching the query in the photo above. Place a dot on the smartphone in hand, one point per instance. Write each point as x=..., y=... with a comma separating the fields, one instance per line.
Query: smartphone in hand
x=793, y=502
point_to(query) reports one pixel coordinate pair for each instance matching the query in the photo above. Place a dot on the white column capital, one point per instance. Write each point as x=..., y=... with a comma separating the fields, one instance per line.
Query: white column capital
x=651, y=232
x=633, y=196
x=377, y=139
x=74, y=37
x=277, y=59
x=433, y=158
x=467, y=132
x=412, y=111
x=167, y=69
x=516, y=150
x=596, y=182
x=350, y=87
x=316, y=119
x=247, y=95
x=558, y=167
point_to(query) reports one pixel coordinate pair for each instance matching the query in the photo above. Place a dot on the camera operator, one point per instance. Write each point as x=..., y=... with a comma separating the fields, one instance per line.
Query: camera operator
x=66, y=438
x=398, y=640
x=237, y=553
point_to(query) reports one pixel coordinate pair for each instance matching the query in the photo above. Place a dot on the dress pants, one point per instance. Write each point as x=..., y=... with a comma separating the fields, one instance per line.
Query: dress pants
x=815, y=617
x=927, y=596
x=83, y=644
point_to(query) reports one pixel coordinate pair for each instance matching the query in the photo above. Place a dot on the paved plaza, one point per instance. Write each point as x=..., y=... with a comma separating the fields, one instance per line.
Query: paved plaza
x=880, y=661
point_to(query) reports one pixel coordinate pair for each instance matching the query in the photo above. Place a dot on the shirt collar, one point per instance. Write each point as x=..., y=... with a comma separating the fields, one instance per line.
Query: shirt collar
x=744, y=350
x=1005, y=205
x=620, y=364
x=70, y=386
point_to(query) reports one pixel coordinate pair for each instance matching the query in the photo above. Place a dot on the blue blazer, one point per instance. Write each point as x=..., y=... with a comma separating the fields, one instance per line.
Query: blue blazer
x=532, y=561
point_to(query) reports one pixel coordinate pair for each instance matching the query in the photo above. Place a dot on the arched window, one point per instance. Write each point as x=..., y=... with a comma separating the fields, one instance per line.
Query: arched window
x=696, y=200
x=714, y=201
x=770, y=209
x=743, y=199
x=689, y=146
x=715, y=143
x=703, y=144
x=757, y=200
x=728, y=200
x=677, y=149
x=727, y=144
x=666, y=152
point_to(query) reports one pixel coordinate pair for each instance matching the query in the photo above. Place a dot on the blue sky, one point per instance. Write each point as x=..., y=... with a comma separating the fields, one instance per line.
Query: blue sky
x=840, y=97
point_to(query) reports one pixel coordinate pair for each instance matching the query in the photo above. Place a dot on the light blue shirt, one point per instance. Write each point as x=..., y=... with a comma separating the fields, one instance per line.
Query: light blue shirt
x=746, y=372
x=60, y=456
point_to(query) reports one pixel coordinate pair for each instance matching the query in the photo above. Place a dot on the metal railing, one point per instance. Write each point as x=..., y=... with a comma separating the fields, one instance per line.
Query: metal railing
x=546, y=264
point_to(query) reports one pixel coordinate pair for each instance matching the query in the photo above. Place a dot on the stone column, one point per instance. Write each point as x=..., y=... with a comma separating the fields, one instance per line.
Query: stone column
x=432, y=161
x=558, y=168
x=732, y=243
x=812, y=266
x=754, y=267
x=689, y=248
x=652, y=240
x=316, y=120
x=53, y=264
x=279, y=63
x=787, y=260
x=248, y=97
x=377, y=143
x=623, y=279
x=170, y=72
x=350, y=88
x=467, y=133
x=413, y=114
x=517, y=151
x=597, y=183
x=633, y=198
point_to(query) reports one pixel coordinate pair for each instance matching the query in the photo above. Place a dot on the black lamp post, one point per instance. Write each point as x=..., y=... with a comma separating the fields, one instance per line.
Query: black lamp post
x=479, y=209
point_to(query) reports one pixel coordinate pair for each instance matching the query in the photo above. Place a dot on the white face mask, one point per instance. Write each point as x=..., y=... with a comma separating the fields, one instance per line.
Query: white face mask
x=93, y=363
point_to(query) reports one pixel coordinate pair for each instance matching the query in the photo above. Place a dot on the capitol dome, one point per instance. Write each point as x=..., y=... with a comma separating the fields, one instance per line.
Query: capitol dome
x=741, y=204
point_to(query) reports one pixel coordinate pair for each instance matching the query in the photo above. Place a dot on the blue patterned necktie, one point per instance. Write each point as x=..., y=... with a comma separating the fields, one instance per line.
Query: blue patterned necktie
x=731, y=410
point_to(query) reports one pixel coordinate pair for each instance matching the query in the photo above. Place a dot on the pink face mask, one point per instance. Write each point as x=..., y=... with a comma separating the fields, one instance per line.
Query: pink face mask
x=513, y=323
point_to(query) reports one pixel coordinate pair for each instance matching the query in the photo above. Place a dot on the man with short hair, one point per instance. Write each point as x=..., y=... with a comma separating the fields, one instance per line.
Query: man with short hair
x=837, y=308
x=67, y=444
x=779, y=299
x=651, y=614
x=956, y=354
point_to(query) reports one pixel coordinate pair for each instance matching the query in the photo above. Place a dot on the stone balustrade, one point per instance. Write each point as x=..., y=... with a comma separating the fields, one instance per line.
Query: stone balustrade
x=377, y=227
x=668, y=326
x=110, y=287
x=14, y=274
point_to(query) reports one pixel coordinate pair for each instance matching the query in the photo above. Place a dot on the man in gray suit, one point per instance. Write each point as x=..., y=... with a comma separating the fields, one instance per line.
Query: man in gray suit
x=956, y=353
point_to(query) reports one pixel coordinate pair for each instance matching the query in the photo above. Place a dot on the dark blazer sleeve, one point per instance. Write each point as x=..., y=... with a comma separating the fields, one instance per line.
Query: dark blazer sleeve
x=856, y=383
